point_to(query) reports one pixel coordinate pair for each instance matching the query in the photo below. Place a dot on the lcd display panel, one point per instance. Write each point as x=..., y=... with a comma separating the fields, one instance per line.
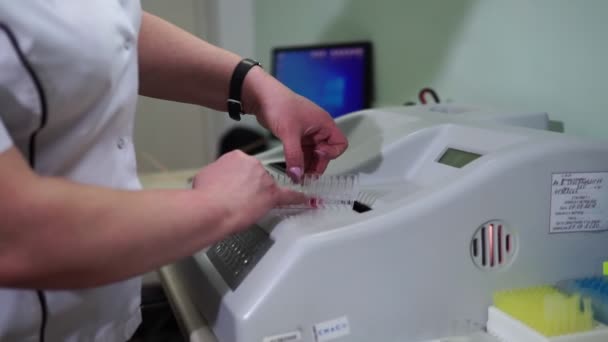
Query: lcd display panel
x=457, y=158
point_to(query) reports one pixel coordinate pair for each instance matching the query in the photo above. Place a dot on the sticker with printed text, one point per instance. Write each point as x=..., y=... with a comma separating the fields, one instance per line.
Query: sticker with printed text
x=288, y=337
x=579, y=202
x=329, y=330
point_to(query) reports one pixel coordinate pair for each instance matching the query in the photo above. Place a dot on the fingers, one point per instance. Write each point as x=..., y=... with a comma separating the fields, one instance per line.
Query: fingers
x=314, y=163
x=319, y=164
x=319, y=152
x=288, y=197
x=334, y=146
x=294, y=157
x=312, y=152
x=327, y=151
x=310, y=139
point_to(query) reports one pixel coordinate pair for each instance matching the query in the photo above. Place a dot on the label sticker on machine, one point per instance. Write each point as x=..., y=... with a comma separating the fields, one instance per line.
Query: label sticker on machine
x=579, y=202
x=330, y=330
x=288, y=337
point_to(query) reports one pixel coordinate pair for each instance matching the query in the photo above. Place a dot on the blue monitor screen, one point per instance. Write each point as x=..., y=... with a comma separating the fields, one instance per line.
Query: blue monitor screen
x=337, y=78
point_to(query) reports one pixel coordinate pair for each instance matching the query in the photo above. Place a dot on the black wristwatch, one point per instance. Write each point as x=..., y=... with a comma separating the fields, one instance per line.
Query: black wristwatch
x=235, y=106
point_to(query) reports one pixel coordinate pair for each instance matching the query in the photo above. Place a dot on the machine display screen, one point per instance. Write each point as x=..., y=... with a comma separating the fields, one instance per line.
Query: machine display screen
x=457, y=158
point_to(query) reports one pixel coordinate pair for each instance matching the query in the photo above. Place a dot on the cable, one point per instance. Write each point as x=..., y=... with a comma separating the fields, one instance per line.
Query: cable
x=45, y=313
x=32, y=150
x=422, y=97
x=424, y=91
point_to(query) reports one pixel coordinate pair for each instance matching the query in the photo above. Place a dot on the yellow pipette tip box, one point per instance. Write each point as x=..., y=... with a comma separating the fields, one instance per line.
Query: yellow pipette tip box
x=606, y=268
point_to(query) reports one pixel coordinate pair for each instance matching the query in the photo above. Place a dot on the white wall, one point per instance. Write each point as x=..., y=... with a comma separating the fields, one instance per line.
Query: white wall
x=171, y=135
x=542, y=55
x=230, y=25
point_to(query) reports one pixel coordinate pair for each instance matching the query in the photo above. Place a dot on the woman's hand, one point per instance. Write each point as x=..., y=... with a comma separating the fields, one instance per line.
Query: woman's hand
x=310, y=136
x=243, y=188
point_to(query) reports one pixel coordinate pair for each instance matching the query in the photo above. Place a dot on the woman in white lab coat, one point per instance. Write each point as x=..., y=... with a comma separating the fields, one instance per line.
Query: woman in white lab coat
x=73, y=234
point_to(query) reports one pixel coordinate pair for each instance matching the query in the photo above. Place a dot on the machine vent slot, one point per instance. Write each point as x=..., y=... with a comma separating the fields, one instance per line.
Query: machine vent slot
x=360, y=207
x=483, y=246
x=500, y=244
x=235, y=256
x=492, y=245
x=475, y=247
x=364, y=202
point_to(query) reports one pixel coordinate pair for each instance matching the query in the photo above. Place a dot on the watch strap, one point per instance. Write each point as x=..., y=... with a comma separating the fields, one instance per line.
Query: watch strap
x=234, y=102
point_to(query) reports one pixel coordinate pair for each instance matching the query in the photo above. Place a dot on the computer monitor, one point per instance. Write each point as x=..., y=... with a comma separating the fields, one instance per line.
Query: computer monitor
x=337, y=77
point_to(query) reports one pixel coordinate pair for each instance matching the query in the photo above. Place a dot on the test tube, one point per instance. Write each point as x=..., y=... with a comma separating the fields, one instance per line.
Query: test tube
x=324, y=192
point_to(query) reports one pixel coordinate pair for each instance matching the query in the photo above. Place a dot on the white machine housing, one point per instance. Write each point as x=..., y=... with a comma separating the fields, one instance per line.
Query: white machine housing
x=414, y=268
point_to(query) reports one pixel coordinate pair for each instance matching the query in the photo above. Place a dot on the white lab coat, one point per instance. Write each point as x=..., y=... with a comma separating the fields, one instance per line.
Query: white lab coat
x=84, y=55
